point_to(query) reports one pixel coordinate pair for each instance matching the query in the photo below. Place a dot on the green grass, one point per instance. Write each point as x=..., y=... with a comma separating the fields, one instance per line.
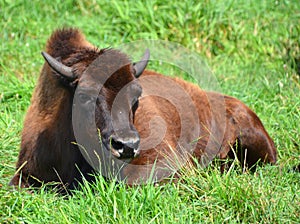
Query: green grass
x=252, y=47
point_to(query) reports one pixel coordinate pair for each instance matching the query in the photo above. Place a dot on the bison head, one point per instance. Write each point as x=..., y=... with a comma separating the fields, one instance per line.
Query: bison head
x=105, y=94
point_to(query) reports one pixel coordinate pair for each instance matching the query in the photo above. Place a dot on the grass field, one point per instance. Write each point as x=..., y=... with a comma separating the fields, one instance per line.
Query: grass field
x=252, y=47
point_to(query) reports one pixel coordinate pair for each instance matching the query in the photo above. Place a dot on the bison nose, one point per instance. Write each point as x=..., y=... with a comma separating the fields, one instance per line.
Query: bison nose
x=127, y=147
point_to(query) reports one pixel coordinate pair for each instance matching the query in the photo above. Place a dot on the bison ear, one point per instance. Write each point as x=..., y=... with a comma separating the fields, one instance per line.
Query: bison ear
x=65, y=71
x=140, y=66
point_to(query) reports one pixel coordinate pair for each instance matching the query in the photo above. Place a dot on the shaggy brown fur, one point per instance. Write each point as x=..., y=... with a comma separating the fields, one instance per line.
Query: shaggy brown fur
x=47, y=153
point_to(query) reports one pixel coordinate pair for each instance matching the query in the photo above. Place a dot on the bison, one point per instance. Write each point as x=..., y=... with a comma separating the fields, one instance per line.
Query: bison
x=141, y=118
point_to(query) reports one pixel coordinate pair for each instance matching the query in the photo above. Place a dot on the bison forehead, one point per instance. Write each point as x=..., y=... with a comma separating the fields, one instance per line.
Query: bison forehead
x=106, y=65
x=94, y=61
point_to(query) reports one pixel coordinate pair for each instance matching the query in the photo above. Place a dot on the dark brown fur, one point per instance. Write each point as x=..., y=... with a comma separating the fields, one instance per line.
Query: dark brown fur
x=47, y=153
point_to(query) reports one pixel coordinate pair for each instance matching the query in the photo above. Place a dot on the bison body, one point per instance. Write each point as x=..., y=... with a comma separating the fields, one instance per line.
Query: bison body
x=143, y=132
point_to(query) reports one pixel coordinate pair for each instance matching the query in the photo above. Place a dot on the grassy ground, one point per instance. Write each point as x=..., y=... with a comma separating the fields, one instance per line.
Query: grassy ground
x=253, y=48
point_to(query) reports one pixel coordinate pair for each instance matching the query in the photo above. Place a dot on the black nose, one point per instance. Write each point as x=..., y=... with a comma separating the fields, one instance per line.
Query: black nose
x=127, y=147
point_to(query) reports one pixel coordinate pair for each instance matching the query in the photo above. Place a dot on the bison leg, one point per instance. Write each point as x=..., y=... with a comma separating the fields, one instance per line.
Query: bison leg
x=251, y=146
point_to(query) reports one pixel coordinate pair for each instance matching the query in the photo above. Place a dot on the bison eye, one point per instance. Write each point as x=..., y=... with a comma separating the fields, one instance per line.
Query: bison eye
x=135, y=105
x=134, y=100
x=83, y=98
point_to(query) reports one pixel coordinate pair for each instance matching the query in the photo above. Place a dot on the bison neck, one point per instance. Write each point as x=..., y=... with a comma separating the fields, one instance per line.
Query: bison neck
x=47, y=137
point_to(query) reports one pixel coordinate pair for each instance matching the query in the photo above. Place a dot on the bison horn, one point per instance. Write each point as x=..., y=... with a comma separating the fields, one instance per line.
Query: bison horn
x=141, y=65
x=62, y=69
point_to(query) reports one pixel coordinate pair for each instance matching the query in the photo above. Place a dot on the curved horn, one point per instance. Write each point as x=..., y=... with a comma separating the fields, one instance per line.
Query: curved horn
x=57, y=66
x=141, y=65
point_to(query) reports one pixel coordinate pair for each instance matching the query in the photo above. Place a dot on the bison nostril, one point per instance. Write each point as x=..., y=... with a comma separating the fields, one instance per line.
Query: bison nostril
x=125, y=148
x=116, y=144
